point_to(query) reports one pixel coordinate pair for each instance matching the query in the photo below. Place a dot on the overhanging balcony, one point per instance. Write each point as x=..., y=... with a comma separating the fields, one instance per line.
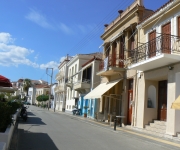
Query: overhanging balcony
x=83, y=86
x=59, y=88
x=111, y=65
x=161, y=51
x=69, y=82
x=59, y=75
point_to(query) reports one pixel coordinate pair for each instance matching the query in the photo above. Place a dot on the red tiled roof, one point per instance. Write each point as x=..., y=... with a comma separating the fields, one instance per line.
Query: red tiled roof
x=155, y=11
x=42, y=86
x=94, y=58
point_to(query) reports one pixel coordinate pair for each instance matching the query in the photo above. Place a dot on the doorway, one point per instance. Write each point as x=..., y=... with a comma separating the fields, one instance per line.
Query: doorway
x=130, y=98
x=162, y=100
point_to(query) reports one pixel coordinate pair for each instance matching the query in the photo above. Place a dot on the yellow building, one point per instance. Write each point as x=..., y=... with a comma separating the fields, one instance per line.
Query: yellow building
x=115, y=93
x=157, y=60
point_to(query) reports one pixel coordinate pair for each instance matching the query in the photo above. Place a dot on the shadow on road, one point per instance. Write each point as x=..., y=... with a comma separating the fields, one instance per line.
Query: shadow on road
x=35, y=141
x=31, y=120
x=30, y=114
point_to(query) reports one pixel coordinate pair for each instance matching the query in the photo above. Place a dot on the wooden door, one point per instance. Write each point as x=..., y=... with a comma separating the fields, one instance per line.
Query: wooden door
x=152, y=44
x=130, y=98
x=114, y=52
x=178, y=26
x=162, y=100
x=121, y=51
x=166, y=38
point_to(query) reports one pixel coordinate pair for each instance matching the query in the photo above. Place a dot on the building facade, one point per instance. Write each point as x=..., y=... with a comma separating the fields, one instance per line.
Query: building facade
x=157, y=60
x=116, y=92
x=60, y=89
x=88, y=81
x=74, y=68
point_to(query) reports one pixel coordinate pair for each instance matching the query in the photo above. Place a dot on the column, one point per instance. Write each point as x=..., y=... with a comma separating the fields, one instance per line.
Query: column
x=173, y=121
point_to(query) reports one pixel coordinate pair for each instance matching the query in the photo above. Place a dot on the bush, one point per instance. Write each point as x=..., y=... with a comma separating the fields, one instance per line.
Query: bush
x=5, y=116
x=14, y=106
x=7, y=109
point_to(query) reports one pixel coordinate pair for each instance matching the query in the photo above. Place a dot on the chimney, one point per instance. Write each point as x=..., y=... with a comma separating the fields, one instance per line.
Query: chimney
x=106, y=25
x=120, y=11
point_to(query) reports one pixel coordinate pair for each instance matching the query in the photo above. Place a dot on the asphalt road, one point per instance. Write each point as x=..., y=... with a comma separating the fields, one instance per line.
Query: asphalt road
x=46, y=130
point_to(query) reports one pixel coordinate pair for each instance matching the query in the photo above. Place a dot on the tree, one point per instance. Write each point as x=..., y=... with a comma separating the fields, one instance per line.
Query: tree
x=26, y=85
x=42, y=98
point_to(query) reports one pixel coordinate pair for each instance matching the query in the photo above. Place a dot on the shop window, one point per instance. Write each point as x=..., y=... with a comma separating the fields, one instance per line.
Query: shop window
x=151, y=100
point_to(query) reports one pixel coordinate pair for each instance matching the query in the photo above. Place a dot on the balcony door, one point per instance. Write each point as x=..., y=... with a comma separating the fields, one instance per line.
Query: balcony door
x=152, y=44
x=178, y=26
x=121, y=52
x=166, y=38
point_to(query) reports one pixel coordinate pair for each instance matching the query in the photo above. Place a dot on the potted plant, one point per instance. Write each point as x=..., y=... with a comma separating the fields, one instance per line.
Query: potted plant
x=85, y=113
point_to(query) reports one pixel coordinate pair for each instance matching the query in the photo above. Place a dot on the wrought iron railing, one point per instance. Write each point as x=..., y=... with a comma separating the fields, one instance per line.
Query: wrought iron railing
x=114, y=60
x=83, y=81
x=164, y=43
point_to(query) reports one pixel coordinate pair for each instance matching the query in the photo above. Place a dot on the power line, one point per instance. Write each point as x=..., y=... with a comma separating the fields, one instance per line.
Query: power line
x=88, y=38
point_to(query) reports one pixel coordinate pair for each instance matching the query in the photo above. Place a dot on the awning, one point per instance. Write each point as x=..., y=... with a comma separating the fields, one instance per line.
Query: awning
x=100, y=90
x=176, y=104
x=5, y=82
x=7, y=89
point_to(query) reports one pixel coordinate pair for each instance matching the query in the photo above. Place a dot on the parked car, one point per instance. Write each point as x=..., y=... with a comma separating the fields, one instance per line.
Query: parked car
x=27, y=103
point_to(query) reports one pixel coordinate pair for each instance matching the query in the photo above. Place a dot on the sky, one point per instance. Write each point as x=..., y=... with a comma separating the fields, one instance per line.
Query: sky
x=38, y=34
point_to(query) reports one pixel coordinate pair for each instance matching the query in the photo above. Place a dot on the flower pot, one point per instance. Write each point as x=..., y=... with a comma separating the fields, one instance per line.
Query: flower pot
x=85, y=115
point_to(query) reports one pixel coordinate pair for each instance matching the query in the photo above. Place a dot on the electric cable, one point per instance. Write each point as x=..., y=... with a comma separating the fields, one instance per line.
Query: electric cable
x=94, y=32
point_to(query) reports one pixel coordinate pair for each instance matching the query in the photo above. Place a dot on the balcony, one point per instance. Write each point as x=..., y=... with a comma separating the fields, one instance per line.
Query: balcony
x=83, y=86
x=69, y=82
x=59, y=75
x=161, y=51
x=59, y=88
x=111, y=65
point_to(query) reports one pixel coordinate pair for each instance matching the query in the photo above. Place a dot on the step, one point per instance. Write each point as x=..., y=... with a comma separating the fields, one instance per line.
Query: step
x=178, y=135
x=176, y=138
x=158, y=122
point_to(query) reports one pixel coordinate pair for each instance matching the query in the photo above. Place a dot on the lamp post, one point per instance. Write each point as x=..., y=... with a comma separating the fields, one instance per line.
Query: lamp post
x=51, y=74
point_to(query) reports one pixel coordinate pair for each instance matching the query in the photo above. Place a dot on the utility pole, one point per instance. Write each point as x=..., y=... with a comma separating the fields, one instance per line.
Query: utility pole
x=49, y=74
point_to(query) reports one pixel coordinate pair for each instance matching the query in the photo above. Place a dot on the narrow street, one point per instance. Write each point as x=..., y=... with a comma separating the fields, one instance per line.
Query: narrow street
x=46, y=130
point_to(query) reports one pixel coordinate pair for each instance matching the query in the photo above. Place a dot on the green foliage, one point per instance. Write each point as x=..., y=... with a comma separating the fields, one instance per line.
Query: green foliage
x=5, y=116
x=26, y=85
x=42, y=98
x=7, y=109
x=14, y=106
x=2, y=95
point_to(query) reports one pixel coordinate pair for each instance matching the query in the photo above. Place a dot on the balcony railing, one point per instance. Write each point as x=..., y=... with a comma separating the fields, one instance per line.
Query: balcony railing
x=87, y=81
x=59, y=88
x=113, y=60
x=168, y=44
x=59, y=75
